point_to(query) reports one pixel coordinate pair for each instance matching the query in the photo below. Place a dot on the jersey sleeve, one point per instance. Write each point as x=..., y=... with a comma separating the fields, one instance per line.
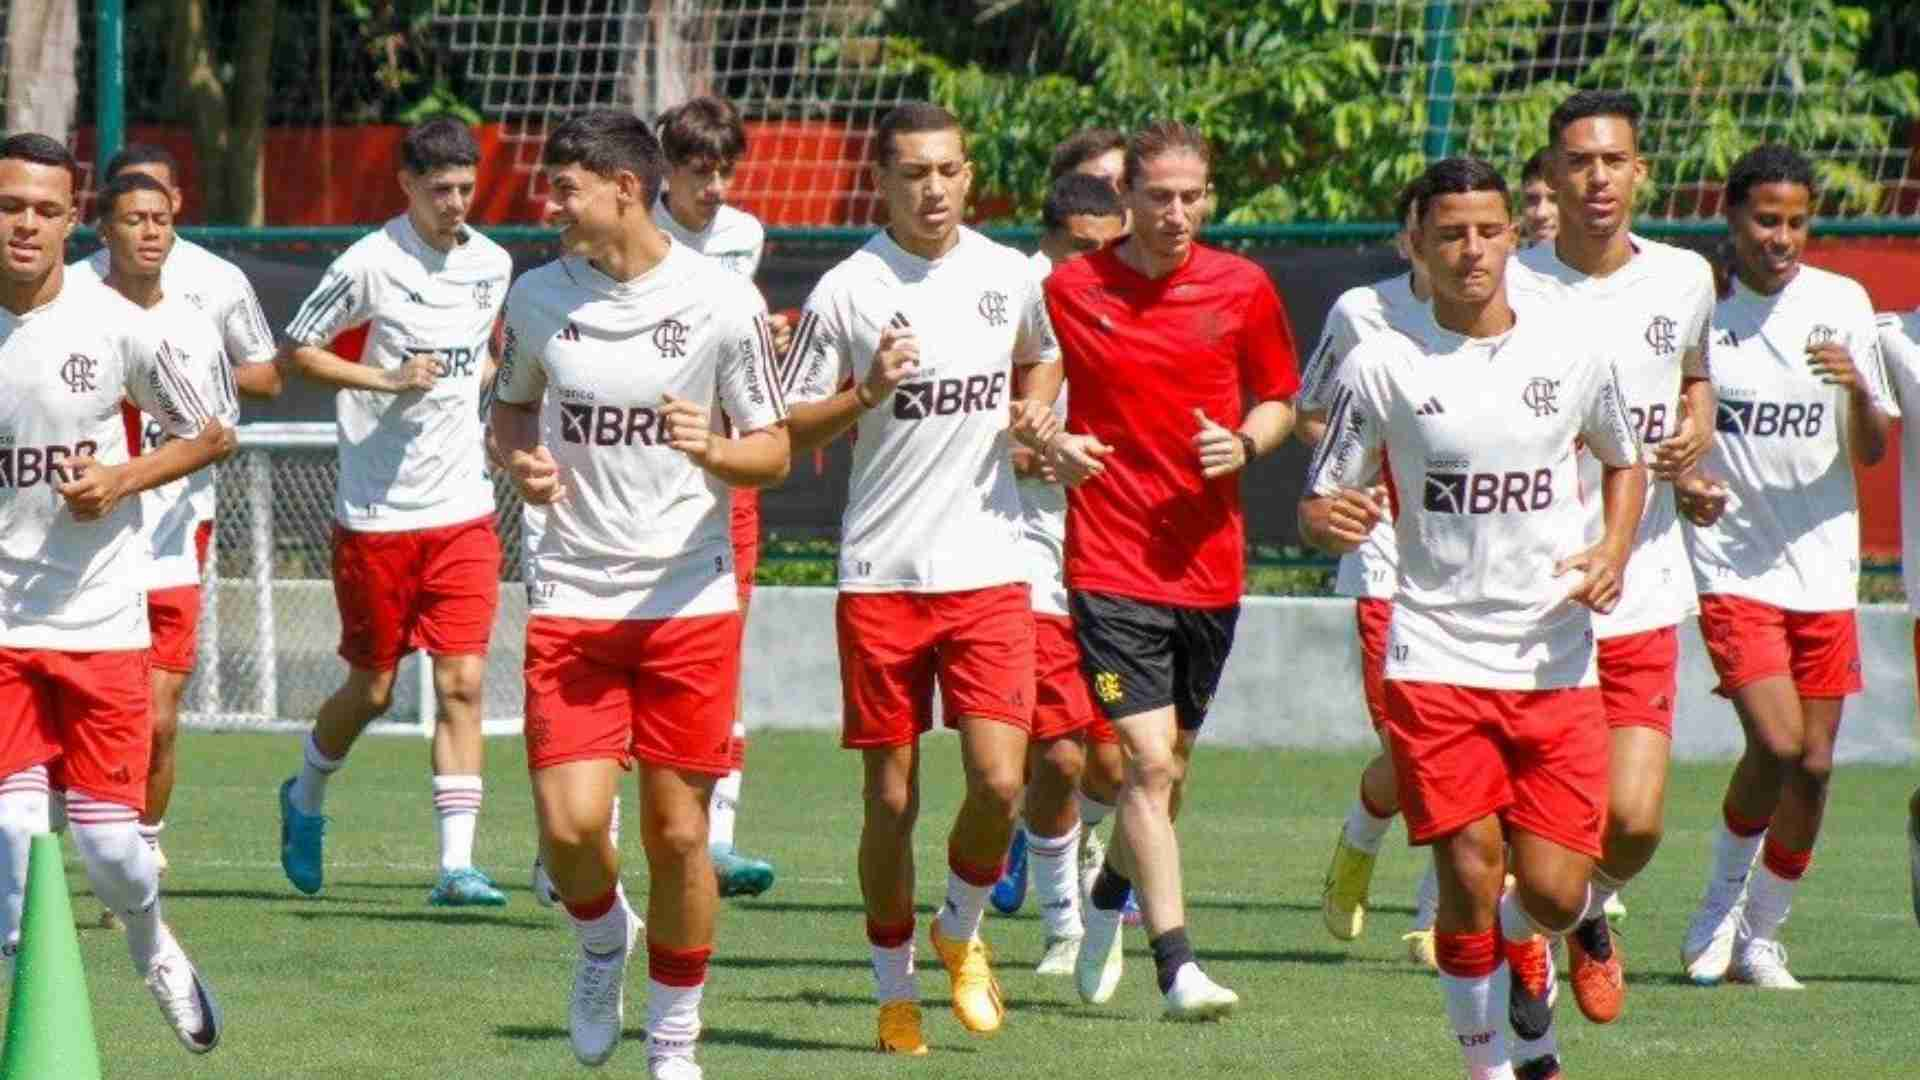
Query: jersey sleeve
x=756, y=248
x=748, y=390
x=1337, y=339
x=1900, y=358
x=1604, y=426
x=1863, y=336
x=1695, y=358
x=1268, y=366
x=161, y=383
x=1351, y=454
x=821, y=355
x=243, y=325
x=339, y=303
x=521, y=378
x=1037, y=343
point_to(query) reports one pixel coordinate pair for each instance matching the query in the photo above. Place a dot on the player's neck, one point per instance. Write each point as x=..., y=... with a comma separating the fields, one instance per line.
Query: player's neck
x=21, y=297
x=632, y=252
x=1149, y=263
x=1594, y=256
x=925, y=247
x=689, y=217
x=142, y=290
x=430, y=237
x=1055, y=250
x=1764, y=284
x=1477, y=319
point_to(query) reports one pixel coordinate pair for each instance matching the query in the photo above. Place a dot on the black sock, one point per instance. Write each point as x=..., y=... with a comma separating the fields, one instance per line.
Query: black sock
x=1170, y=950
x=1110, y=890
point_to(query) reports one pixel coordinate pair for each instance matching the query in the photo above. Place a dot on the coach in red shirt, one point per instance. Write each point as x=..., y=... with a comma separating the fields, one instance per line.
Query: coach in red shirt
x=1163, y=341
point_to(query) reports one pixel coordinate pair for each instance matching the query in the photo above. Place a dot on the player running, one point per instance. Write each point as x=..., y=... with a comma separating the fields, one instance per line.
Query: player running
x=75, y=700
x=1776, y=553
x=1900, y=354
x=416, y=562
x=913, y=341
x=1161, y=337
x=633, y=637
x=1494, y=714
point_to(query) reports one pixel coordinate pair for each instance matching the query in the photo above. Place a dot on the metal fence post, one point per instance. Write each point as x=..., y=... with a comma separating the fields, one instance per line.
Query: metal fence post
x=260, y=509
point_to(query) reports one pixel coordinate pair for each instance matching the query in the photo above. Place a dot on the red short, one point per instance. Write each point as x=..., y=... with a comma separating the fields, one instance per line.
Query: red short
x=978, y=643
x=173, y=614
x=425, y=588
x=1639, y=678
x=1750, y=641
x=1537, y=758
x=745, y=526
x=660, y=690
x=1062, y=706
x=1374, y=620
x=86, y=712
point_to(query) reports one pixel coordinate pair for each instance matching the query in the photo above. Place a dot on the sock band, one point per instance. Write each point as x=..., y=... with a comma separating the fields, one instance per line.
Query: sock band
x=984, y=877
x=1110, y=889
x=889, y=937
x=1786, y=865
x=1171, y=952
x=1744, y=828
x=678, y=967
x=1468, y=956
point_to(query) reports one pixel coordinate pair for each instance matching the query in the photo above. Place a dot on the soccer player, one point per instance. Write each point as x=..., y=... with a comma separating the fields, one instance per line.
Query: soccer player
x=612, y=355
x=1161, y=336
x=1539, y=213
x=74, y=694
x=416, y=563
x=1494, y=716
x=1096, y=152
x=1776, y=554
x=1369, y=574
x=221, y=292
x=1900, y=354
x=1082, y=214
x=1650, y=304
x=913, y=341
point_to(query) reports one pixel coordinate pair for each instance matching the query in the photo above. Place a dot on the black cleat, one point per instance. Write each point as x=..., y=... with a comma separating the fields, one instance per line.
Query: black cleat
x=1530, y=998
x=1541, y=1068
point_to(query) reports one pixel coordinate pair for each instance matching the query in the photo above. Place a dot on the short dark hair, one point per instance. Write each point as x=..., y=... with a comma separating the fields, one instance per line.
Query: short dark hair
x=912, y=118
x=1586, y=103
x=703, y=128
x=1164, y=137
x=138, y=153
x=440, y=142
x=1409, y=195
x=1536, y=166
x=1081, y=147
x=605, y=142
x=1076, y=194
x=39, y=149
x=1457, y=176
x=1769, y=163
x=107, y=199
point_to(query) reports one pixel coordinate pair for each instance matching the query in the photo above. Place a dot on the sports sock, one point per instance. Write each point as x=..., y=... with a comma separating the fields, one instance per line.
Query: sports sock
x=1474, y=984
x=1525, y=1050
x=1365, y=828
x=601, y=923
x=675, y=981
x=613, y=824
x=1053, y=869
x=309, y=792
x=967, y=889
x=1110, y=889
x=1518, y=925
x=456, y=802
x=1092, y=810
x=1426, y=899
x=122, y=870
x=23, y=815
x=1770, y=890
x=1171, y=952
x=721, y=810
x=893, y=962
x=1602, y=888
x=1734, y=847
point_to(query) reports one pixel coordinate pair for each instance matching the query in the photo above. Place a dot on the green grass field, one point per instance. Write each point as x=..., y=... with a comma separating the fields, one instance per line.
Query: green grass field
x=366, y=981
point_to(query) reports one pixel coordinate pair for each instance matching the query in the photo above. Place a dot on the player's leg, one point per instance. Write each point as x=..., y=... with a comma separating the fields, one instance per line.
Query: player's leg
x=1343, y=895
x=739, y=874
x=27, y=743
x=173, y=615
x=1053, y=823
x=1469, y=868
x=1100, y=779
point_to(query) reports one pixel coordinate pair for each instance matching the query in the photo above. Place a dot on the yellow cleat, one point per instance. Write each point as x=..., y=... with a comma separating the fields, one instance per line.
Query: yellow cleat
x=976, y=993
x=1420, y=949
x=900, y=1029
x=1343, y=899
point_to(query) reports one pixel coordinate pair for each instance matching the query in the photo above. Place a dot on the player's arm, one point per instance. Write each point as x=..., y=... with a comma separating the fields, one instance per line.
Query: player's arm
x=1337, y=338
x=817, y=414
x=1611, y=437
x=340, y=302
x=323, y=366
x=249, y=341
x=748, y=388
x=196, y=419
x=1035, y=389
x=1338, y=509
x=1269, y=374
x=512, y=406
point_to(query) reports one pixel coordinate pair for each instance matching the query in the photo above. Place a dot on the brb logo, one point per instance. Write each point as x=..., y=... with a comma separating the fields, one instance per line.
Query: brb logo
x=27, y=466
x=1822, y=335
x=1660, y=335
x=78, y=373
x=945, y=397
x=454, y=361
x=610, y=425
x=670, y=337
x=1651, y=422
x=1542, y=396
x=1488, y=492
x=1770, y=418
x=993, y=307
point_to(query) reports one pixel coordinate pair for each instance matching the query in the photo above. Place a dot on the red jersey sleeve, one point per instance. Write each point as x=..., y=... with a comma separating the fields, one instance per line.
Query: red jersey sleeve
x=1269, y=369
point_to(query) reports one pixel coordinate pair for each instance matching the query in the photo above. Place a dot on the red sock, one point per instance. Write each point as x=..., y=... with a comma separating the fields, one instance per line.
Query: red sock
x=889, y=937
x=1785, y=865
x=1468, y=956
x=677, y=967
x=982, y=877
x=1744, y=828
x=594, y=908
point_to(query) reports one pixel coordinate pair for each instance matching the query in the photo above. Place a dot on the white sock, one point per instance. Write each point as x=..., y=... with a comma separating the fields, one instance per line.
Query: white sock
x=1769, y=898
x=1053, y=868
x=960, y=915
x=893, y=973
x=1525, y=1050
x=1601, y=888
x=1092, y=810
x=1732, y=863
x=1363, y=830
x=151, y=833
x=1476, y=1007
x=456, y=802
x=608, y=933
x=721, y=810
x=613, y=824
x=1515, y=924
x=309, y=792
x=673, y=1019
x=122, y=870
x=23, y=815
x=1426, y=899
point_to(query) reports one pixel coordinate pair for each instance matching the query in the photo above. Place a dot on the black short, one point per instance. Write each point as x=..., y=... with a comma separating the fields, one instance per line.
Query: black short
x=1140, y=656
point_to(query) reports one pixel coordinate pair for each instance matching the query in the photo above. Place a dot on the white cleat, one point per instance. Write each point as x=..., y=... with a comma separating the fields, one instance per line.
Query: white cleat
x=184, y=997
x=1092, y=854
x=1096, y=971
x=599, y=1000
x=543, y=890
x=1763, y=964
x=1708, y=948
x=676, y=1067
x=1193, y=996
x=1615, y=909
x=1059, y=957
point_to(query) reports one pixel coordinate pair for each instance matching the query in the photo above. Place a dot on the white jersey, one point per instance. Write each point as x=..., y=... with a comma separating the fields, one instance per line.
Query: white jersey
x=1900, y=353
x=1790, y=536
x=172, y=512
x=1043, y=523
x=65, y=369
x=1481, y=435
x=1647, y=316
x=931, y=506
x=414, y=460
x=1373, y=569
x=219, y=289
x=734, y=237
x=642, y=532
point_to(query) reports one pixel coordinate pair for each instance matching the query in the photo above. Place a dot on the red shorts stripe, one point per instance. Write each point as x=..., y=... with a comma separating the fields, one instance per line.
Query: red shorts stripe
x=1062, y=704
x=1373, y=619
x=1749, y=641
x=977, y=644
x=435, y=589
x=85, y=715
x=1639, y=679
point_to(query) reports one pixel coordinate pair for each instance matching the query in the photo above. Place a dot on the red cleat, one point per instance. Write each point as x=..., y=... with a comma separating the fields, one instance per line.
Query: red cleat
x=1593, y=961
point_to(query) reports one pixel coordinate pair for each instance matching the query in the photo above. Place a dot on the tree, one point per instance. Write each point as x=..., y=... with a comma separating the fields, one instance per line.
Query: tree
x=228, y=120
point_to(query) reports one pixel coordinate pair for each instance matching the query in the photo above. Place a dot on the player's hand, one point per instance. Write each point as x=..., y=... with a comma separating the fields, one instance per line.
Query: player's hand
x=419, y=372
x=1221, y=451
x=1076, y=458
x=894, y=362
x=689, y=428
x=781, y=329
x=1033, y=464
x=1354, y=513
x=1675, y=456
x=1700, y=498
x=93, y=489
x=1834, y=366
x=1034, y=424
x=536, y=476
x=1601, y=572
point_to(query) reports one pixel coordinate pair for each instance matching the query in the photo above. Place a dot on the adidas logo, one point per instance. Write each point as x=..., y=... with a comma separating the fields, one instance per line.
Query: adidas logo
x=1431, y=407
x=571, y=333
x=414, y=297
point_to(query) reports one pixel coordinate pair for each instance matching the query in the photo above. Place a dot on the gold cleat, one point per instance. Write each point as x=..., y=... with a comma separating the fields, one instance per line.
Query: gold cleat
x=900, y=1029
x=976, y=993
x=1343, y=899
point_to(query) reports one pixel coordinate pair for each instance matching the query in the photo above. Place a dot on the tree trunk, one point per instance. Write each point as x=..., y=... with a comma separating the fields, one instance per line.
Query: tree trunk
x=200, y=99
x=252, y=69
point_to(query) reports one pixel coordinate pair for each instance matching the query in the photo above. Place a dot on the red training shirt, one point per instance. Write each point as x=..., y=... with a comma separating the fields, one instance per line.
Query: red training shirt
x=1141, y=354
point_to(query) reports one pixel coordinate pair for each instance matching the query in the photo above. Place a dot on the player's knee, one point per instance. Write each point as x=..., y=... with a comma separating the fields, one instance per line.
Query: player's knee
x=1065, y=759
x=372, y=694
x=1155, y=773
x=461, y=686
x=1635, y=822
x=673, y=837
x=893, y=804
x=1814, y=769
x=1555, y=905
x=998, y=786
x=1777, y=749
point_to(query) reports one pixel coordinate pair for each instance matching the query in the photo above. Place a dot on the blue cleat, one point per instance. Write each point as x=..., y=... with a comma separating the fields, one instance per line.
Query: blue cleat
x=301, y=839
x=466, y=888
x=740, y=875
x=1011, y=890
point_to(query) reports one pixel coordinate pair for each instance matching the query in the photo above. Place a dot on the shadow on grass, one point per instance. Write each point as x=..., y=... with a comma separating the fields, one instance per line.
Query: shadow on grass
x=430, y=918
x=1288, y=905
x=1292, y=956
x=269, y=895
x=751, y=905
x=811, y=963
x=553, y=1032
x=767, y=1040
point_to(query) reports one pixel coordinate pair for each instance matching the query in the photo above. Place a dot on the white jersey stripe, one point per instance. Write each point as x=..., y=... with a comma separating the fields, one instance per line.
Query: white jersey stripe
x=797, y=350
x=1337, y=420
x=764, y=362
x=315, y=309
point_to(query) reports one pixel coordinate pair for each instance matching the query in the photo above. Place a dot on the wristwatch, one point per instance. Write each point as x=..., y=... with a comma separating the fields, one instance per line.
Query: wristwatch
x=1246, y=445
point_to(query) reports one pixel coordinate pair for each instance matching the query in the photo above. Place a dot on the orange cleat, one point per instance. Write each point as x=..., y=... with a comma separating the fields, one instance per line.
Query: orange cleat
x=1593, y=963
